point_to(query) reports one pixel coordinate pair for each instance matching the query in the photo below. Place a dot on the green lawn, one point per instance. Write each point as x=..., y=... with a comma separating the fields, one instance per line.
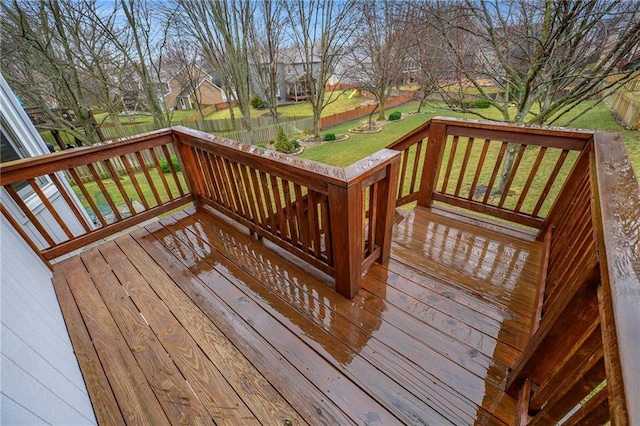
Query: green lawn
x=359, y=145
x=303, y=109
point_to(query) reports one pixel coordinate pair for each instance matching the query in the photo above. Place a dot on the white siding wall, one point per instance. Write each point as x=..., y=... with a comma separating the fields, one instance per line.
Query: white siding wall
x=40, y=381
x=40, y=378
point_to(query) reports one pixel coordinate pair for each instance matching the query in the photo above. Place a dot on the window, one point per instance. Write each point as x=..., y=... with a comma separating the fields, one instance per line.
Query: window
x=11, y=149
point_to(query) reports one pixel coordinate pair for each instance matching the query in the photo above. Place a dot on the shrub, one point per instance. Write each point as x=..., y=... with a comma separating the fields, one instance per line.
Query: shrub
x=467, y=104
x=261, y=145
x=330, y=137
x=257, y=102
x=295, y=143
x=282, y=143
x=482, y=103
x=164, y=165
x=395, y=115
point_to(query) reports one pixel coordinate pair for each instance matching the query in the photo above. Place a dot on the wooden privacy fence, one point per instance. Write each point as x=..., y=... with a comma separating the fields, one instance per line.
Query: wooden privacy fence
x=268, y=134
x=581, y=361
x=264, y=128
x=625, y=107
x=343, y=117
x=338, y=220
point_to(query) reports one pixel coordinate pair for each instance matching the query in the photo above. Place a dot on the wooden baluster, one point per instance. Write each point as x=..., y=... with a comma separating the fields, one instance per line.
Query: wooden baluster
x=207, y=183
x=512, y=174
x=277, y=196
x=190, y=170
x=87, y=196
x=476, y=177
x=123, y=193
x=328, y=242
x=79, y=216
x=134, y=181
x=463, y=167
x=145, y=170
x=550, y=182
x=154, y=156
x=452, y=157
x=302, y=219
x=269, y=205
x=495, y=172
x=174, y=172
x=104, y=191
x=345, y=211
x=416, y=163
x=403, y=172
x=27, y=212
x=532, y=174
x=293, y=230
x=314, y=223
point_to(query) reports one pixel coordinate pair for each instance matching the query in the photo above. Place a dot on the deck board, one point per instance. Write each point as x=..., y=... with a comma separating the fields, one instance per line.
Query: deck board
x=217, y=327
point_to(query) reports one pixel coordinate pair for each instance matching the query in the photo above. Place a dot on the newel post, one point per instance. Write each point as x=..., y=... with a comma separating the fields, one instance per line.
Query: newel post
x=345, y=217
x=386, y=207
x=432, y=162
x=190, y=168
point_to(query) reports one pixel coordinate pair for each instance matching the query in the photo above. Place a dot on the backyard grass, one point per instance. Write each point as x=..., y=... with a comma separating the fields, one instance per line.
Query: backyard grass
x=359, y=146
x=126, y=181
x=302, y=109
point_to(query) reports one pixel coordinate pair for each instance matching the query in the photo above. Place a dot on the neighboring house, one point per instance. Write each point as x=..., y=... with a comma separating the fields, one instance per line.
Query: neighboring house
x=40, y=380
x=294, y=82
x=184, y=89
x=189, y=87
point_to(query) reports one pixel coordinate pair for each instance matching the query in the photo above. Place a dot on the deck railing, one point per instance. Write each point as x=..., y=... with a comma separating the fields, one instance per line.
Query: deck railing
x=117, y=184
x=463, y=165
x=338, y=220
x=578, y=189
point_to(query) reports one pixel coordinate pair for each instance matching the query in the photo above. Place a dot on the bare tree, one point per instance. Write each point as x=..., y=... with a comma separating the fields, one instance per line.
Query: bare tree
x=380, y=48
x=42, y=63
x=320, y=30
x=182, y=59
x=266, y=36
x=222, y=30
x=546, y=56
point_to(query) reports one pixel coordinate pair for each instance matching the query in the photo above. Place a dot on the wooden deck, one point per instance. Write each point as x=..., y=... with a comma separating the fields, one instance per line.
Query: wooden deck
x=190, y=320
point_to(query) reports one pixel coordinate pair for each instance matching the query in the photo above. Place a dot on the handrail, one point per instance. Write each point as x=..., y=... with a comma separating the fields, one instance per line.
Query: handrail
x=617, y=221
x=97, y=175
x=338, y=220
x=463, y=162
x=585, y=339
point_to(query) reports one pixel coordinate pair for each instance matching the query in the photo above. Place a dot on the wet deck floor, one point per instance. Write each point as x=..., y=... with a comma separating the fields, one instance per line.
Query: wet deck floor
x=190, y=320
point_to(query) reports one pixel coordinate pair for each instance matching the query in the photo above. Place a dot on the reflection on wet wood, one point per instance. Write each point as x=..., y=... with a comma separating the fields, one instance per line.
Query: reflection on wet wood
x=259, y=339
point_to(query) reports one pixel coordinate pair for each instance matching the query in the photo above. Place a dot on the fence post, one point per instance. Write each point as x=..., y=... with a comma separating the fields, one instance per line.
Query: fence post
x=345, y=223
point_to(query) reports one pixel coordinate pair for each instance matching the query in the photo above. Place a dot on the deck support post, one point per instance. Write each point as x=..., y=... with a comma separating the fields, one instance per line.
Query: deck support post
x=432, y=162
x=345, y=216
x=386, y=207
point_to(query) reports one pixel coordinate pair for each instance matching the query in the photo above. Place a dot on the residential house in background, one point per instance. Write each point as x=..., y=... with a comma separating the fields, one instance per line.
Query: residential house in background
x=183, y=89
